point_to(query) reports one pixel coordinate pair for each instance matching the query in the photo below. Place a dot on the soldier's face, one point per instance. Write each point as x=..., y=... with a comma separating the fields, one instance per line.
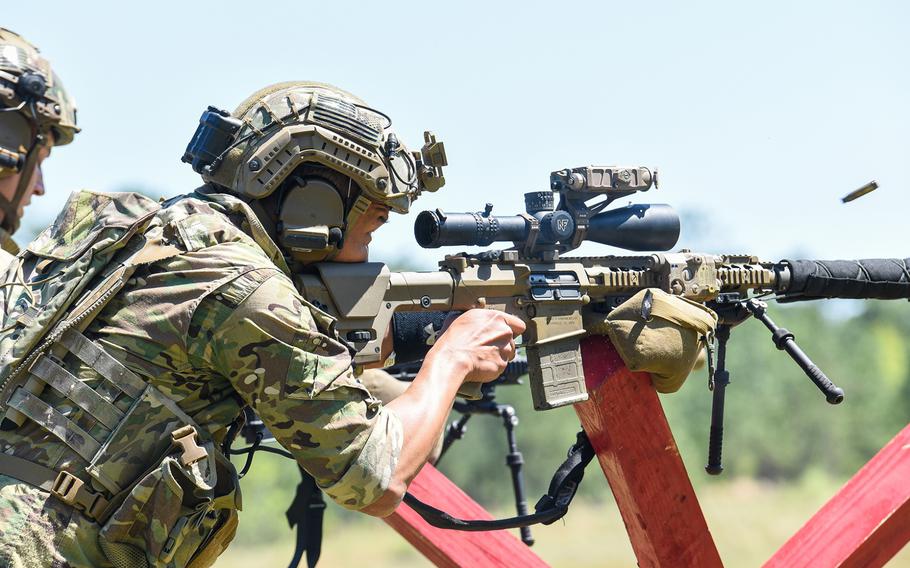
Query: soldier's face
x=357, y=238
x=35, y=186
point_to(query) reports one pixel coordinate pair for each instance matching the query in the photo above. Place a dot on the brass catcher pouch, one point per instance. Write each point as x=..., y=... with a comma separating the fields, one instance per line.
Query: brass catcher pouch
x=659, y=333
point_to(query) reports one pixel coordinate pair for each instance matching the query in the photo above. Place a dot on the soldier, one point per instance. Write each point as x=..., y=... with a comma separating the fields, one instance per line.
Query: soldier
x=36, y=113
x=157, y=342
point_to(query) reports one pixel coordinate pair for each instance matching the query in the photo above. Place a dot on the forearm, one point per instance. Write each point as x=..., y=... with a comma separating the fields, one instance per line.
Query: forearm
x=422, y=410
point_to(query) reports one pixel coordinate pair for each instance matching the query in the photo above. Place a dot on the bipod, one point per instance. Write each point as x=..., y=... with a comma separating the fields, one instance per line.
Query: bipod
x=514, y=459
x=732, y=310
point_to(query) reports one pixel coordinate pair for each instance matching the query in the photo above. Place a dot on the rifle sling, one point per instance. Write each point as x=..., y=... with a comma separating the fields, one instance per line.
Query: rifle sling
x=550, y=508
x=306, y=511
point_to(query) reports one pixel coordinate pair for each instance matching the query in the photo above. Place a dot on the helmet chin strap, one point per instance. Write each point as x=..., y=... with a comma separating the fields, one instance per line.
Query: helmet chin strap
x=360, y=206
x=10, y=207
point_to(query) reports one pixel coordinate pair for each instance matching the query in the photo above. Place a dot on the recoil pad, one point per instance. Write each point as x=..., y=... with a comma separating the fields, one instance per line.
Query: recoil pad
x=879, y=278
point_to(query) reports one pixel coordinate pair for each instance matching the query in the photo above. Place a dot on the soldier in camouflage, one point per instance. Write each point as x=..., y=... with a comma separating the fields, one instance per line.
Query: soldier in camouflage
x=36, y=113
x=110, y=450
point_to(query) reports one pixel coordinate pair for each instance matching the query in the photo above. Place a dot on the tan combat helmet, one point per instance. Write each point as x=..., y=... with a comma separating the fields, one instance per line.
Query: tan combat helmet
x=254, y=150
x=33, y=105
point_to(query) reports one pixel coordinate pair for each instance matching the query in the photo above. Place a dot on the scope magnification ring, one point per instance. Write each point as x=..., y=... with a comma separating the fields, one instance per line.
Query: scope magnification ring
x=486, y=229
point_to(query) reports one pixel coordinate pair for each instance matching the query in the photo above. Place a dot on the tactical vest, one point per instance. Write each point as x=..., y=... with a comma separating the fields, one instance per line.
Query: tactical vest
x=167, y=499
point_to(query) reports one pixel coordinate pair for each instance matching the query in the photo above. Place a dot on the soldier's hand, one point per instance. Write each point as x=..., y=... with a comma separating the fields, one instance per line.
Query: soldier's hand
x=483, y=341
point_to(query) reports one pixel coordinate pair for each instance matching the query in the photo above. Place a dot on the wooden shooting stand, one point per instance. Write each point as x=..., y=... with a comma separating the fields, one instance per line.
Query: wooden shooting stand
x=865, y=524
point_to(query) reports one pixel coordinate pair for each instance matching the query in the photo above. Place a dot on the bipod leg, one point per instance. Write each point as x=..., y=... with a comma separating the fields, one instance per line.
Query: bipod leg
x=718, y=382
x=785, y=341
x=515, y=461
x=455, y=431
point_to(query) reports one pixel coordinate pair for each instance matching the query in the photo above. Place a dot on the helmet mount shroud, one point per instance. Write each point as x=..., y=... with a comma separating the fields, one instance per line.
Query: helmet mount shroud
x=254, y=150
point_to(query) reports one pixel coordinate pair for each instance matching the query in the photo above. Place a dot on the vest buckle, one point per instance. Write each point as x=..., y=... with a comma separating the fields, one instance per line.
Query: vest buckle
x=72, y=491
x=190, y=451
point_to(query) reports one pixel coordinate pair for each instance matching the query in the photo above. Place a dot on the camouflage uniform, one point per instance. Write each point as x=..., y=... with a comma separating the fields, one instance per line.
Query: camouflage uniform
x=218, y=326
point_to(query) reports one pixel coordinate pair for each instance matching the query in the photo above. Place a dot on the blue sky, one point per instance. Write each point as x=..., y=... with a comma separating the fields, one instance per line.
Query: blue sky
x=759, y=116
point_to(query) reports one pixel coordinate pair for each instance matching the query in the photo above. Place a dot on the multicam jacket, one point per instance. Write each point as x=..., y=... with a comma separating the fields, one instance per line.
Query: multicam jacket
x=217, y=326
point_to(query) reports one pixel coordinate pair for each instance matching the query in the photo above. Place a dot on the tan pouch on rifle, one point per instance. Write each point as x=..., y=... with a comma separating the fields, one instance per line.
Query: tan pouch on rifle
x=661, y=334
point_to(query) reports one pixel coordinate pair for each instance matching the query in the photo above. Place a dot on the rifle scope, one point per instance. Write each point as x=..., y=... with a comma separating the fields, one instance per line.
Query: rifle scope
x=652, y=227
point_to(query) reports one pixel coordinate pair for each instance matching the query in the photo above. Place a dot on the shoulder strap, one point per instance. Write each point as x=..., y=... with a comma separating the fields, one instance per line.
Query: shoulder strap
x=61, y=484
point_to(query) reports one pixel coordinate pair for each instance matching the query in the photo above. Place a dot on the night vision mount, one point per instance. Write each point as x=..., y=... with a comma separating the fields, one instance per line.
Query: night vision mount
x=548, y=228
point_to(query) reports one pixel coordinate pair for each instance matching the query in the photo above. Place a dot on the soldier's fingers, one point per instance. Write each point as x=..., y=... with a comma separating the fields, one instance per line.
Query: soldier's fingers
x=510, y=351
x=506, y=351
x=517, y=326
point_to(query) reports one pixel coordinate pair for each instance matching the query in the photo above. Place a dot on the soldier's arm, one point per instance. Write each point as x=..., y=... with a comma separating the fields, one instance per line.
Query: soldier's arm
x=300, y=383
x=475, y=347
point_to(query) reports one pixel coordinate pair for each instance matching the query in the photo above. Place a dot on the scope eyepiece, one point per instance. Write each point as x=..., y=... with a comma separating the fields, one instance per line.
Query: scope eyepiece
x=434, y=229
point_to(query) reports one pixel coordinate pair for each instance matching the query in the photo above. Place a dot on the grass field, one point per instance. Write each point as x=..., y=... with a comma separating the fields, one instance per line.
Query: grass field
x=749, y=521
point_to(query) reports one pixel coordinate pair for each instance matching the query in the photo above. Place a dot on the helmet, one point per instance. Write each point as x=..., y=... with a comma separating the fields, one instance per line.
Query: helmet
x=289, y=128
x=33, y=104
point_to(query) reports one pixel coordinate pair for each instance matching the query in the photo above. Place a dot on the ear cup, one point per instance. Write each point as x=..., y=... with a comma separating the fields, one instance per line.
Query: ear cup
x=312, y=217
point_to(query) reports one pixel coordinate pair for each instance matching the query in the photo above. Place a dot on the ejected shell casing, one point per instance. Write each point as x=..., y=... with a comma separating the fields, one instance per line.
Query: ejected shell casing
x=868, y=188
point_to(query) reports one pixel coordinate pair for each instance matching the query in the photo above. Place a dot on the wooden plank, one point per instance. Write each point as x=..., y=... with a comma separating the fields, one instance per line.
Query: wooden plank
x=636, y=450
x=865, y=523
x=448, y=548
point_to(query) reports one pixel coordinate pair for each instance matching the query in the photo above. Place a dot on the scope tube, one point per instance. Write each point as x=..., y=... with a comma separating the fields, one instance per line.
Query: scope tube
x=634, y=227
x=643, y=227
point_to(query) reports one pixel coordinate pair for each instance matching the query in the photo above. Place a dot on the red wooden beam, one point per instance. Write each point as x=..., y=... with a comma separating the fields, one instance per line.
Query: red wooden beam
x=627, y=427
x=866, y=523
x=448, y=548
